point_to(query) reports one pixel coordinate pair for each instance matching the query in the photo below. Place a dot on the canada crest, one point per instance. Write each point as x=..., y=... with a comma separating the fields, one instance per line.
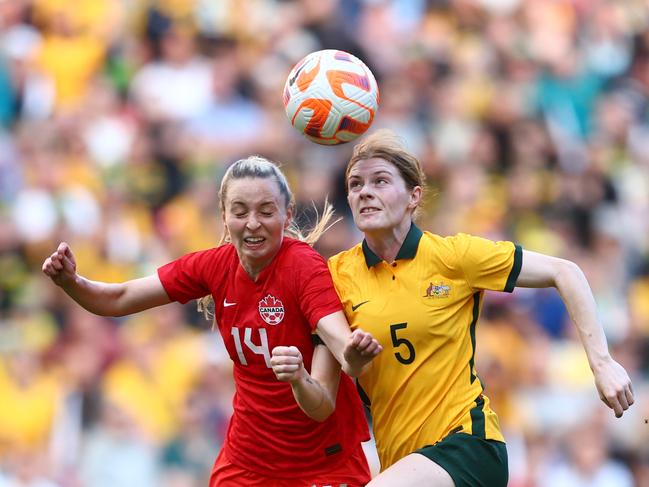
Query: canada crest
x=271, y=310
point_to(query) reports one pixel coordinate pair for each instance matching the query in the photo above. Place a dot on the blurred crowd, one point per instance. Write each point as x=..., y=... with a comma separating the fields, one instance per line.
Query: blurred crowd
x=117, y=119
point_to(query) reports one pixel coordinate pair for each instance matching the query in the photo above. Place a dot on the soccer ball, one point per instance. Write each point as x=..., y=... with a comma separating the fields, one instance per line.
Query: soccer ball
x=331, y=97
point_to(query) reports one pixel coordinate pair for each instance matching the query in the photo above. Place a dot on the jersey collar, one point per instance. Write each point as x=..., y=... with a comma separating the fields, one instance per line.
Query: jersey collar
x=408, y=248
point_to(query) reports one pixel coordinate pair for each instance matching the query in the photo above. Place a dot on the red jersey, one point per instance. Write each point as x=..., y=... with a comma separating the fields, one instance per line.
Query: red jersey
x=268, y=431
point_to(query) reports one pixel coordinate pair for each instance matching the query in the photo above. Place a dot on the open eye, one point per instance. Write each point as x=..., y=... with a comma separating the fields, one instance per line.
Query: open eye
x=353, y=184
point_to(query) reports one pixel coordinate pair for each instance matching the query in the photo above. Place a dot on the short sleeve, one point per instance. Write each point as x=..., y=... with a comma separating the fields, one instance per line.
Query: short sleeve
x=317, y=295
x=187, y=278
x=487, y=264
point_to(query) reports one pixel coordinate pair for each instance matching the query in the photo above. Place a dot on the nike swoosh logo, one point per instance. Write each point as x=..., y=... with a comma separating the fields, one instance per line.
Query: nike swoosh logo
x=355, y=307
x=226, y=304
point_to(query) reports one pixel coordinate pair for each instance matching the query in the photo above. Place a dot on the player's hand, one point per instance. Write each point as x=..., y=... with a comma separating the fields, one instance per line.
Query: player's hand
x=287, y=364
x=61, y=266
x=360, y=349
x=614, y=386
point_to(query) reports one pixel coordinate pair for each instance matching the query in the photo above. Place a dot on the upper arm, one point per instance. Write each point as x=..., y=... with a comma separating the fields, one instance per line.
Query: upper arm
x=539, y=270
x=140, y=294
x=486, y=264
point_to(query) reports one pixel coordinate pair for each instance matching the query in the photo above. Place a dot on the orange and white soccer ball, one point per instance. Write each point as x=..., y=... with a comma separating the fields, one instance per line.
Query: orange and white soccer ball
x=331, y=97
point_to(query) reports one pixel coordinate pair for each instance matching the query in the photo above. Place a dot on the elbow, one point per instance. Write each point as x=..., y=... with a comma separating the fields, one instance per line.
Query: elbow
x=323, y=413
x=324, y=417
x=106, y=311
x=566, y=269
x=118, y=311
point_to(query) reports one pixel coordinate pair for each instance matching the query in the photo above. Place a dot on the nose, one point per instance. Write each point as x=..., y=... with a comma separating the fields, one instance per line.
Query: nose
x=365, y=192
x=252, y=223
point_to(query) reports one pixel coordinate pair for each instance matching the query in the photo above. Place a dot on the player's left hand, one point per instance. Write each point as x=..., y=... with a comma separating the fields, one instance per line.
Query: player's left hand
x=287, y=364
x=614, y=386
x=360, y=349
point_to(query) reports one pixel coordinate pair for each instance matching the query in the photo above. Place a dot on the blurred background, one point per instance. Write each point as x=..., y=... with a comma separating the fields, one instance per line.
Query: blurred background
x=118, y=118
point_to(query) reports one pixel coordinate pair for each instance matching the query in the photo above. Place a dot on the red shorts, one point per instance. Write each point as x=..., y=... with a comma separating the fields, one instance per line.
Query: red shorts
x=354, y=472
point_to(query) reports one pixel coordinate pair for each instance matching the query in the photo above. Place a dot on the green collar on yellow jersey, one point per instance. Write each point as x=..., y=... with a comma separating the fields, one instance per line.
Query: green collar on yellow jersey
x=408, y=249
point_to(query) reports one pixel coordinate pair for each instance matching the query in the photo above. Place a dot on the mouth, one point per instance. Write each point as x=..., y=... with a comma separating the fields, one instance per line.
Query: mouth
x=369, y=210
x=253, y=242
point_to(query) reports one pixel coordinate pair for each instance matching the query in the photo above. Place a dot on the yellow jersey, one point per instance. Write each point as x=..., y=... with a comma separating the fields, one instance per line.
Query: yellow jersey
x=423, y=308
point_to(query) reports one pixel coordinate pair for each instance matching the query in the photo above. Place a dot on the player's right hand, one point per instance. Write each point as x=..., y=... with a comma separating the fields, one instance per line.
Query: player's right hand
x=287, y=364
x=361, y=348
x=61, y=266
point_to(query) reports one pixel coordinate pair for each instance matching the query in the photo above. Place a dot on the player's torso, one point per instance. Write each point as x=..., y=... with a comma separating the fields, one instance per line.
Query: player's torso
x=256, y=316
x=253, y=317
x=424, y=380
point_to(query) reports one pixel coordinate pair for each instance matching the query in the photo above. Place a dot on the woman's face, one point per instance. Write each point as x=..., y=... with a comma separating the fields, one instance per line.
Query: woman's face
x=255, y=217
x=378, y=196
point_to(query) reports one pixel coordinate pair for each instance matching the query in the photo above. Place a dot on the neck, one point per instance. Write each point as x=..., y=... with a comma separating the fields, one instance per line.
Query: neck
x=253, y=271
x=386, y=243
x=254, y=267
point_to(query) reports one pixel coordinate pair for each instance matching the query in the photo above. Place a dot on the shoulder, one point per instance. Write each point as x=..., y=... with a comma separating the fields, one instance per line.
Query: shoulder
x=205, y=262
x=432, y=244
x=224, y=251
x=442, y=252
x=458, y=243
x=297, y=261
x=293, y=245
x=347, y=260
x=294, y=250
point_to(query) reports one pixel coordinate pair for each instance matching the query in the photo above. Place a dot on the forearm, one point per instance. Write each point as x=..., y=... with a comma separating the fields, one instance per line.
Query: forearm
x=354, y=351
x=312, y=397
x=578, y=298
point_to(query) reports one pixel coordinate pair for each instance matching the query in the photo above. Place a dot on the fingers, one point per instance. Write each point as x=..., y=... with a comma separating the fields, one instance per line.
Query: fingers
x=625, y=399
x=286, y=371
x=60, y=262
x=630, y=399
x=53, y=264
x=286, y=363
x=279, y=352
x=614, y=404
x=621, y=401
x=364, y=343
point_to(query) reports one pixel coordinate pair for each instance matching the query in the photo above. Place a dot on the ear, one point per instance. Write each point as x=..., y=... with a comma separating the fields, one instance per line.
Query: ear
x=289, y=217
x=226, y=230
x=415, y=197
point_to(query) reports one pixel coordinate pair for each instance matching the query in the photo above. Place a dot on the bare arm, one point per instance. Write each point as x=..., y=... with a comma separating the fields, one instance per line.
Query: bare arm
x=106, y=299
x=353, y=350
x=315, y=393
x=611, y=380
